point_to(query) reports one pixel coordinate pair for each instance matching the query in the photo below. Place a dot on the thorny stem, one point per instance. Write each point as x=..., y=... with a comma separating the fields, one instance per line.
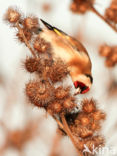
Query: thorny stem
x=102, y=17
x=67, y=130
x=25, y=40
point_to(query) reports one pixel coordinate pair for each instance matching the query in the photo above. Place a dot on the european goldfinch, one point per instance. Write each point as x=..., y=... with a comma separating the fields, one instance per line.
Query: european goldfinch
x=73, y=53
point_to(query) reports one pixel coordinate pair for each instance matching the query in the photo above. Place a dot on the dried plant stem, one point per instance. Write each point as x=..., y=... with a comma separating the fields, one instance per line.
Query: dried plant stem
x=59, y=123
x=102, y=17
x=25, y=40
x=67, y=130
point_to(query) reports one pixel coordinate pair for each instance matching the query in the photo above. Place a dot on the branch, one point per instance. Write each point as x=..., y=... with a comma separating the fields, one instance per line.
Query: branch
x=68, y=131
x=102, y=17
x=25, y=40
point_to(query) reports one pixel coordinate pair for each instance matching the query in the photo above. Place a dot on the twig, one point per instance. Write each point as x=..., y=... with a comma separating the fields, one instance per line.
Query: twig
x=67, y=130
x=102, y=17
x=59, y=123
x=25, y=40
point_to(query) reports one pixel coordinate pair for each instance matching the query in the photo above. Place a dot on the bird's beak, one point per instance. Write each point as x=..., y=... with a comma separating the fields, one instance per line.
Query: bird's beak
x=78, y=91
x=47, y=25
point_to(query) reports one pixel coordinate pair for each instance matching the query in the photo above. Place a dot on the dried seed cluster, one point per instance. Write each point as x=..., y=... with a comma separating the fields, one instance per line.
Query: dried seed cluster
x=41, y=45
x=12, y=15
x=86, y=123
x=111, y=12
x=26, y=26
x=110, y=52
x=81, y=6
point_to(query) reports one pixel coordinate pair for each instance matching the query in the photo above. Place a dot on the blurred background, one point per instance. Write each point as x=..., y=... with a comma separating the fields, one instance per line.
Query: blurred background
x=17, y=116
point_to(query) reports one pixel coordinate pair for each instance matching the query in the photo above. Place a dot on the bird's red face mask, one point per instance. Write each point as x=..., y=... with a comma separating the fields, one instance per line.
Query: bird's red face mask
x=81, y=87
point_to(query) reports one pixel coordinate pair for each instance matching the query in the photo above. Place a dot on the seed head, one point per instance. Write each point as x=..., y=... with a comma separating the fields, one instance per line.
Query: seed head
x=109, y=63
x=31, y=23
x=105, y=50
x=31, y=64
x=41, y=45
x=58, y=71
x=39, y=93
x=61, y=92
x=85, y=121
x=12, y=15
x=27, y=34
x=88, y=106
x=98, y=115
x=69, y=104
x=55, y=107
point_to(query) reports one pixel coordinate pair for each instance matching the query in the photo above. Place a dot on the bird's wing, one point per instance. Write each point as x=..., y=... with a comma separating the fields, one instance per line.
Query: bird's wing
x=75, y=44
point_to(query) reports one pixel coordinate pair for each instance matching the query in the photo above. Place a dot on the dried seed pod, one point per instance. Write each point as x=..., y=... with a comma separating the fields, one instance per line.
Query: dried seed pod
x=95, y=126
x=61, y=92
x=110, y=14
x=41, y=45
x=39, y=93
x=88, y=106
x=81, y=6
x=58, y=71
x=113, y=57
x=84, y=132
x=26, y=33
x=98, y=115
x=85, y=121
x=32, y=64
x=69, y=104
x=55, y=107
x=81, y=131
x=105, y=50
x=109, y=63
x=31, y=23
x=12, y=15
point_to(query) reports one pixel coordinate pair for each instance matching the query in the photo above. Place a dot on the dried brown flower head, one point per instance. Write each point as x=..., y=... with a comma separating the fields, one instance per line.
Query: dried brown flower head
x=88, y=106
x=61, y=93
x=41, y=45
x=32, y=64
x=111, y=12
x=86, y=123
x=31, y=23
x=39, y=93
x=110, y=52
x=55, y=107
x=81, y=6
x=27, y=34
x=58, y=71
x=69, y=104
x=12, y=15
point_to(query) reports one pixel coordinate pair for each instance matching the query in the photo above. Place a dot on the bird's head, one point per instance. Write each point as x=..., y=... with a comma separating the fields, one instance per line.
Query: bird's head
x=83, y=83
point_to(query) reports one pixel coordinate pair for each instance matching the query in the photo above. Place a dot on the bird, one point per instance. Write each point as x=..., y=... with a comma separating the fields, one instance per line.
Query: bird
x=71, y=52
